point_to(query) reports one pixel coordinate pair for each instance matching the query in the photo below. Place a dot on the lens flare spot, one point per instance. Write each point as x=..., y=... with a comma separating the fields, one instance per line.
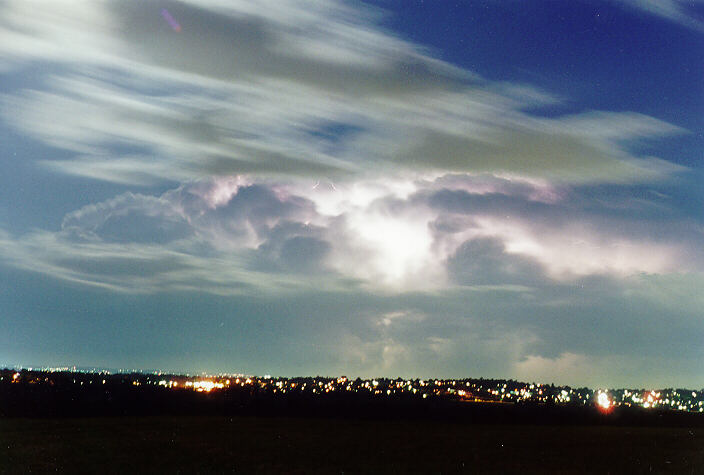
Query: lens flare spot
x=170, y=20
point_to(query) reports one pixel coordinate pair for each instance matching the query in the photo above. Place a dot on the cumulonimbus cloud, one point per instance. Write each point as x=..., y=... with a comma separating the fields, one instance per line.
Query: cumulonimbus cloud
x=429, y=234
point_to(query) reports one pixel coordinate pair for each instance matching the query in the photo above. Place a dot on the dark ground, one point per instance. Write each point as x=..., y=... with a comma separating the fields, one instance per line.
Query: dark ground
x=219, y=444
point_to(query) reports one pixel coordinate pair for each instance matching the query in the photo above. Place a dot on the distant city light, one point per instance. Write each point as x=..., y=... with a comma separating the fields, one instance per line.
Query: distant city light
x=603, y=401
x=463, y=391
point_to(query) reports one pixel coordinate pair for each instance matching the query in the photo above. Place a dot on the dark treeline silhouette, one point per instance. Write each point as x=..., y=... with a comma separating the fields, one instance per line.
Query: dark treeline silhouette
x=87, y=395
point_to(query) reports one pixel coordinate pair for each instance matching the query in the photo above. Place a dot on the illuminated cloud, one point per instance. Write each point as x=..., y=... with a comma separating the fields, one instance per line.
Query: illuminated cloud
x=385, y=237
x=314, y=91
x=677, y=11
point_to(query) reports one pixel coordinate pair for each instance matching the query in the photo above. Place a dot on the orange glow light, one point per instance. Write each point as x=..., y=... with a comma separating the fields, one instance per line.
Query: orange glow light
x=603, y=402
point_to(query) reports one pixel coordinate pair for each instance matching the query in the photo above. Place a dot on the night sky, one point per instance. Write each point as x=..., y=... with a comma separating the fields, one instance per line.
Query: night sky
x=488, y=188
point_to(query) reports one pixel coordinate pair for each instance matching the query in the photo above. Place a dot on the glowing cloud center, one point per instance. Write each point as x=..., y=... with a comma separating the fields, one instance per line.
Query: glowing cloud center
x=400, y=247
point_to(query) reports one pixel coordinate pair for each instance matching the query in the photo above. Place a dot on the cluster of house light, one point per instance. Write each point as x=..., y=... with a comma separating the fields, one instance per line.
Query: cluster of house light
x=465, y=390
x=471, y=390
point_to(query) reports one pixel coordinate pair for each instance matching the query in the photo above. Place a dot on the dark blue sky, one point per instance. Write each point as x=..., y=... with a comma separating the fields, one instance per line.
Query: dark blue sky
x=598, y=55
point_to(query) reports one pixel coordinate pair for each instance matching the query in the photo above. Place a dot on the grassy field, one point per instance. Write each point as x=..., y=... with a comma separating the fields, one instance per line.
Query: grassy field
x=276, y=445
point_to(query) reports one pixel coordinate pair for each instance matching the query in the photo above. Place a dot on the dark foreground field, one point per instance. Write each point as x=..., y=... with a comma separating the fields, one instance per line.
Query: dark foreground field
x=274, y=445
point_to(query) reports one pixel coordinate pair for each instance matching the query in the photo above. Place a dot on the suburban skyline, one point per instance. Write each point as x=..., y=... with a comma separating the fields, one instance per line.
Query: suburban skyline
x=416, y=189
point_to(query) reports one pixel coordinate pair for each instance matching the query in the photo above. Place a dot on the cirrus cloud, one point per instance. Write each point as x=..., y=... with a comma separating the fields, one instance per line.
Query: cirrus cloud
x=251, y=90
